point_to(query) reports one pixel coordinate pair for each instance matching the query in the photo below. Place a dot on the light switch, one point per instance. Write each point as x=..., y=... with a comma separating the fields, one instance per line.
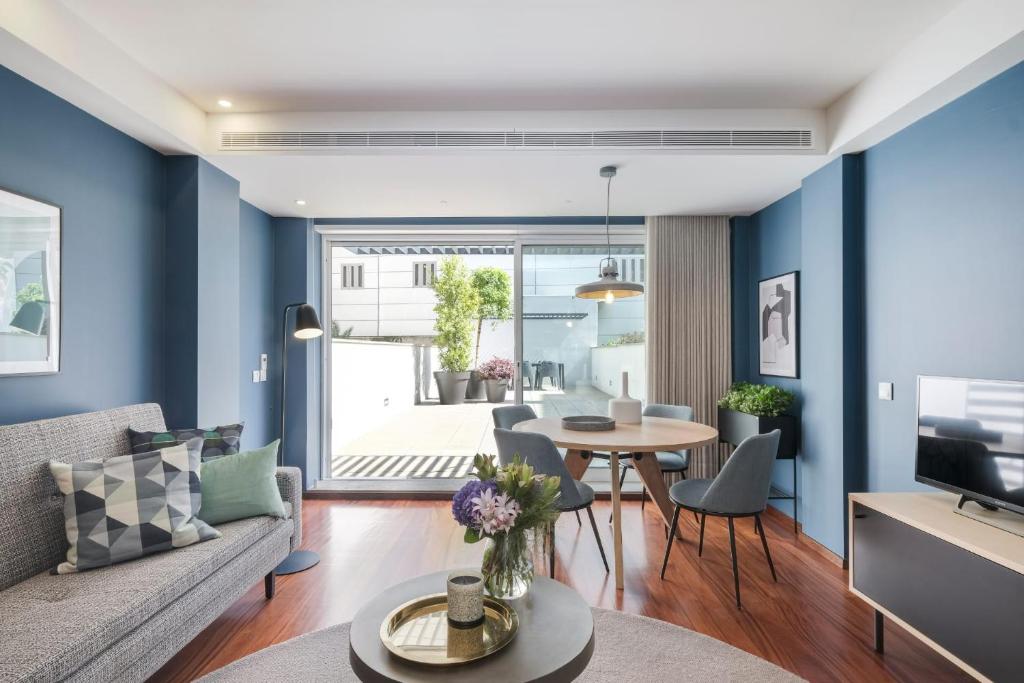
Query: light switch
x=263, y=367
x=256, y=376
x=885, y=391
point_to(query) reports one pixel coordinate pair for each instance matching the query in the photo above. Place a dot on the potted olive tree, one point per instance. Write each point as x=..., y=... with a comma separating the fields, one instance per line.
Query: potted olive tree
x=494, y=289
x=457, y=303
x=496, y=374
x=749, y=409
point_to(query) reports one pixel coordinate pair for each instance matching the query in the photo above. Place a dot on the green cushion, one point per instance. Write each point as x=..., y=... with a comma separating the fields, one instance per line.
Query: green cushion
x=241, y=485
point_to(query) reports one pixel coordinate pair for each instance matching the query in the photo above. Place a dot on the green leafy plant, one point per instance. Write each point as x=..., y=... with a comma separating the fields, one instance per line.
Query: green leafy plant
x=494, y=289
x=457, y=305
x=33, y=291
x=763, y=400
x=627, y=338
x=338, y=333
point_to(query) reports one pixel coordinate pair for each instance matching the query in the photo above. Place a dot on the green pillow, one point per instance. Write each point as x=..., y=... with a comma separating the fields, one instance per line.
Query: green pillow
x=241, y=485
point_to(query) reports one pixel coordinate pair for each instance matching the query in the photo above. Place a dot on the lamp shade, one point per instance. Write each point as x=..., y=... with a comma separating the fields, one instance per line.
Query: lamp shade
x=307, y=323
x=609, y=287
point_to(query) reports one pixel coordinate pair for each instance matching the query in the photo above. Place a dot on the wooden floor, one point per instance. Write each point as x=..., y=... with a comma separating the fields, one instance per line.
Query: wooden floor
x=808, y=622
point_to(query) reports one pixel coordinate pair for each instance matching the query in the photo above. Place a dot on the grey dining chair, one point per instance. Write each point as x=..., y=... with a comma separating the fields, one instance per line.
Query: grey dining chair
x=538, y=451
x=668, y=461
x=507, y=417
x=740, y=490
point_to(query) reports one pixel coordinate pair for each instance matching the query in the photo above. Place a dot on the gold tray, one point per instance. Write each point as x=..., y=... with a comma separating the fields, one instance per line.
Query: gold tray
x=418, y=631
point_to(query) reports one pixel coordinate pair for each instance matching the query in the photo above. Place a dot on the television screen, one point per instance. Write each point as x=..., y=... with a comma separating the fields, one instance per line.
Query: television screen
x=970, y=438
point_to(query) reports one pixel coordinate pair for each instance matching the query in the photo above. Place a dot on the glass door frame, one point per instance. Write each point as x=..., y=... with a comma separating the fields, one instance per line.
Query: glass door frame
x=518, y=236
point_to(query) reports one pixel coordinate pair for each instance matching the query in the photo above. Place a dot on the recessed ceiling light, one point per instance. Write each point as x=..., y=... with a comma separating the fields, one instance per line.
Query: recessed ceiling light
x=224, y=103
x=300, y=202
x=444, y=202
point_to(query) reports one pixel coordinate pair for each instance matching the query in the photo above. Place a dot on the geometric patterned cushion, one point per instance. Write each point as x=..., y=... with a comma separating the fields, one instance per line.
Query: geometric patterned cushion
x=131, y=505
x=218, y=441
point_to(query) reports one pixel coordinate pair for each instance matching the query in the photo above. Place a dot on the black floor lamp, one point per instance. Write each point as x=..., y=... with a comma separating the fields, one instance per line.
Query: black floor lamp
x=307, y=326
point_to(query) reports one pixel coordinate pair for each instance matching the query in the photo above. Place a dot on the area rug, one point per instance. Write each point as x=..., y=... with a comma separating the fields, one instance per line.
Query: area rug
x=627, y=648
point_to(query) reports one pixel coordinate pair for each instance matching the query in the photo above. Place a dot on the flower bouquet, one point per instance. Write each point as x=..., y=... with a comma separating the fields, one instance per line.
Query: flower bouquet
x=513, y=509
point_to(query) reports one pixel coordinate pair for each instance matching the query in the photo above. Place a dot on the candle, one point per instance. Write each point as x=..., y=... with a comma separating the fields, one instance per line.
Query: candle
x=465, y=598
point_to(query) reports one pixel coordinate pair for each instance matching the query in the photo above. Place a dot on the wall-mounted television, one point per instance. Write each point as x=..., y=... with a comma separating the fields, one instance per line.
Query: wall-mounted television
x=970, y=438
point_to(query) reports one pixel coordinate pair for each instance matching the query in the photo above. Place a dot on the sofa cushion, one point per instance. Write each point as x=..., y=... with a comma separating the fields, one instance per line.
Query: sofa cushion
x=132, y=505
x=217, y=441
x=65, y=621
x=32, y=535
x=241, y=485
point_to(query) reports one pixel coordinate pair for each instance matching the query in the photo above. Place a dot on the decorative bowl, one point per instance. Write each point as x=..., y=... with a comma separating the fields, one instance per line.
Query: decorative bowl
x=588, y=423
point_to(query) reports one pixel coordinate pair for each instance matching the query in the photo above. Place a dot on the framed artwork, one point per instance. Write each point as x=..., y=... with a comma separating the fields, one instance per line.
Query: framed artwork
x=779, y=325
x=30, y=234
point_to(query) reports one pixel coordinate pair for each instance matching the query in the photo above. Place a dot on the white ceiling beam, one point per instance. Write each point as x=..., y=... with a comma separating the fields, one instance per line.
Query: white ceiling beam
x=977, y=40
x=46, y=43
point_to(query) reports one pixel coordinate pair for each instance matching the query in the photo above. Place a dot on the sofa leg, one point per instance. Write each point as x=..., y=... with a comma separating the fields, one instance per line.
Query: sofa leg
x=268, y=585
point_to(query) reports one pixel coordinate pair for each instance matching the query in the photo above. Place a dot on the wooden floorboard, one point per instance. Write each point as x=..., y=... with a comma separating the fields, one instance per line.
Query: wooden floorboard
x=807, y=623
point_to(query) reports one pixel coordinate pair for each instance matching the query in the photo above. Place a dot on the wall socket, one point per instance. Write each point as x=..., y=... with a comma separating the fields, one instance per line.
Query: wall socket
x=885, y=391
x=256, y=376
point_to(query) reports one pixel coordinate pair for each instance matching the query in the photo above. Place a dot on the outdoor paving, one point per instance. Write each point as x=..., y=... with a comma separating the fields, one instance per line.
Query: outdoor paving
x=436, y=441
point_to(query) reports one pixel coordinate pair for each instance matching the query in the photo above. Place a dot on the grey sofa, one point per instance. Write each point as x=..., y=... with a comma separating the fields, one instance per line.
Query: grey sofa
x=118, y=623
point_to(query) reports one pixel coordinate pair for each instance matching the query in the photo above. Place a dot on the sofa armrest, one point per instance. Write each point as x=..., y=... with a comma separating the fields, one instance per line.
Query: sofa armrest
x=289, y=482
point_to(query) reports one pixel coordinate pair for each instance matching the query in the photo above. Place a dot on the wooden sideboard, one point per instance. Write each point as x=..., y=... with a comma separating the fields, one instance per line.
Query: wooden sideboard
x=955, y=583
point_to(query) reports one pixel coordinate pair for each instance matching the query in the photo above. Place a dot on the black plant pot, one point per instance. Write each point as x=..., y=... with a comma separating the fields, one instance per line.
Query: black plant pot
x=451, y=386
x=496, y=389
x=475, y=385
x=734, y=427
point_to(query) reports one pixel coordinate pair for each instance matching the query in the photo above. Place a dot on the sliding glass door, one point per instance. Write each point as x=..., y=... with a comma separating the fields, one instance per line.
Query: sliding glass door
x=387, y=419
x=386, y=425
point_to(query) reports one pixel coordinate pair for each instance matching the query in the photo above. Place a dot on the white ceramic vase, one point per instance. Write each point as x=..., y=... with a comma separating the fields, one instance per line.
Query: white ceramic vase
x=624, y=410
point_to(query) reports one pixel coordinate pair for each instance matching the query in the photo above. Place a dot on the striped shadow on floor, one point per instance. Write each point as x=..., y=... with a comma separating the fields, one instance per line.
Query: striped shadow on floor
x=402, y=466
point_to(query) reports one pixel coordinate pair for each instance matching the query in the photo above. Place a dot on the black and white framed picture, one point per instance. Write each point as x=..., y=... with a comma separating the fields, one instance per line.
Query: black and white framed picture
x=777, y=297
x=29, y=285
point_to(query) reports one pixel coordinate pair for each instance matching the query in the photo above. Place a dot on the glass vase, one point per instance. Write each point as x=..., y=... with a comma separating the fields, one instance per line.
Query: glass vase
x=508, y=564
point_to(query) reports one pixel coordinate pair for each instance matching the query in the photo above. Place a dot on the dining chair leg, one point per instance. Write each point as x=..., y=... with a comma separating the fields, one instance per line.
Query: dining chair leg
x=622, y=480
x=643, y=497
x=579, y=522
x=700, y=546
x=551, y=553
x=671, y=537
x=764, y=544
x=600, y=547
x=735, y=569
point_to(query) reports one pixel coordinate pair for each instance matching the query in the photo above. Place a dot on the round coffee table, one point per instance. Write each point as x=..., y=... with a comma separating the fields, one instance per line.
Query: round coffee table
x=554, y=643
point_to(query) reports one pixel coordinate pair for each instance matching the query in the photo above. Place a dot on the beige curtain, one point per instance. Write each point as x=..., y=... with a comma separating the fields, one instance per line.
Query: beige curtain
x=689, y=350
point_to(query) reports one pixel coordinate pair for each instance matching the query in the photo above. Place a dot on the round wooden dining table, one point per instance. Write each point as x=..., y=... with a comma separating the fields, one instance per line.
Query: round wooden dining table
x=636, y=441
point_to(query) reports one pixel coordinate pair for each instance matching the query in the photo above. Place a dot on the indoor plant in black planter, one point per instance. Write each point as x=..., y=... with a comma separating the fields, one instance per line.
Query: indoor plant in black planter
x=749, y=409
x=496, y=373
x=457, y=303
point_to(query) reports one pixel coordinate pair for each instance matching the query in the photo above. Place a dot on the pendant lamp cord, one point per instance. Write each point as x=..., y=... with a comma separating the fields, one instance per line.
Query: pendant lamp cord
x=607, y=216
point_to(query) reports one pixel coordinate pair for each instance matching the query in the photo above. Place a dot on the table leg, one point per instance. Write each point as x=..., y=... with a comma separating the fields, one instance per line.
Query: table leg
x=577, y=462
x=616, y=519
x=646, y=465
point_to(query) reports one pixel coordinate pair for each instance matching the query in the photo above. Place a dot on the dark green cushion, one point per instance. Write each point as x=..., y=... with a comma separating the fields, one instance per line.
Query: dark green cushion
x=217, y=441
x=240, y=486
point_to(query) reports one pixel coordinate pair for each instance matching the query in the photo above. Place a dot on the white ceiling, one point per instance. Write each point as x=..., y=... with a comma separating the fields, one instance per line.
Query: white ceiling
x=514, y=184
x=156, y=69
x=375, y=55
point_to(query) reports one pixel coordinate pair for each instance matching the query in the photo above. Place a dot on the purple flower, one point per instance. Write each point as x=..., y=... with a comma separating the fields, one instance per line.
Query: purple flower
x=462, y=504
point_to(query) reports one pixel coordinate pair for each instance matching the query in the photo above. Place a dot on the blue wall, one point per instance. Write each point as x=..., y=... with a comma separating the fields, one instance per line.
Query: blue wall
x=111, y=189
x=944, y=245
x=259, y=326
x=763, y=245
x=202, y=294
x=910, y=259
x=297, y=280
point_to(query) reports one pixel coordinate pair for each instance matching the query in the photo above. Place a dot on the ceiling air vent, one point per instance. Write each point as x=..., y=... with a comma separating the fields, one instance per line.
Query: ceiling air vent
x=782, y=139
